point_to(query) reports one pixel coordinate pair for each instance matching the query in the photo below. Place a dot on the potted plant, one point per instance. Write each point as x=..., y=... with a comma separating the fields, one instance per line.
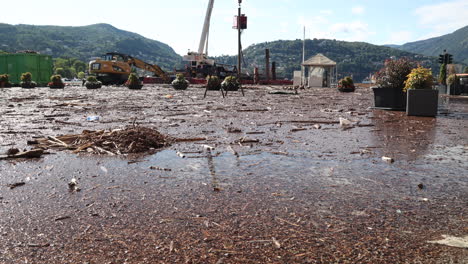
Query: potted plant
x=133, y=82
x=230, y=83
x=56, y=82
x=389, y=93
x=26, y=81
x=179, y=82
x=453, y=82
x=213, y=83
x=422, y=99
x=92, y=83
x=5, y=81
x=346, y=85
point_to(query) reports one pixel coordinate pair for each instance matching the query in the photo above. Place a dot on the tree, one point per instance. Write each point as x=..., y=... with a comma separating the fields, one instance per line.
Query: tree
x=466, y=69
x=79, y=66
x=81, y=75
x=60, y=71
x=443, y=74
x=68, y=67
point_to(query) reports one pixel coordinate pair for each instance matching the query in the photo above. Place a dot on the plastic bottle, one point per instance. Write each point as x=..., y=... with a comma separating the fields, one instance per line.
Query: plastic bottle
x=92, y=118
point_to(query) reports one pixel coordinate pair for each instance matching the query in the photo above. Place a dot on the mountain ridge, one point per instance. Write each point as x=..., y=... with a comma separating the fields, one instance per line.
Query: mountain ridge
x=85, y=42
x=456, y=43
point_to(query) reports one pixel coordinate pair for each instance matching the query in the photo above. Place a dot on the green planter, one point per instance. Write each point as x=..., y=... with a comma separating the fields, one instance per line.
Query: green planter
x=135, y=86
x=422, y=102
x=56, y=85
x=28, y=85
x=93, y=85
x=180, y=85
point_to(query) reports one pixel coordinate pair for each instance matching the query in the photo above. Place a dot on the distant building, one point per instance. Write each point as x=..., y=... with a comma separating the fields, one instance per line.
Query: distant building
x=319, y=71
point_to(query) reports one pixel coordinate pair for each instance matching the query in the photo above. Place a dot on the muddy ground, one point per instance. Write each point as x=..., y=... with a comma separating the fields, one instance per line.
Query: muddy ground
x=284, y=183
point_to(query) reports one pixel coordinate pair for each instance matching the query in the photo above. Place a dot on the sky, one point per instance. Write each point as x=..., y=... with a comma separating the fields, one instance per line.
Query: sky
x=178, y=23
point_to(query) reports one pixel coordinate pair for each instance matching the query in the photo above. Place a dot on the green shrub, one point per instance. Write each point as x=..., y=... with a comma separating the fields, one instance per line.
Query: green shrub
x=453, y=79
x=213, y=83
x=133, y=79
x=419, y=78
x=230, y=83
x=4, y=78
x=56, y=79
x=91, y=79
x=26, y=77
x=179, y=82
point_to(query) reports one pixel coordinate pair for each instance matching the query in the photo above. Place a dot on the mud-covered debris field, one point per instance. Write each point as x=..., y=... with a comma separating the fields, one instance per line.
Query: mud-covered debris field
x=162, y=176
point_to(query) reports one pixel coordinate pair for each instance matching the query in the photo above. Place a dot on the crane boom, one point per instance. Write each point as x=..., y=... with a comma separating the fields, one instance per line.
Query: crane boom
x=206, y=29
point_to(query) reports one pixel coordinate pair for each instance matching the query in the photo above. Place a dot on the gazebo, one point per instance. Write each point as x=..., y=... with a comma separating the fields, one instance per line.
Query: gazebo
x=321, y=71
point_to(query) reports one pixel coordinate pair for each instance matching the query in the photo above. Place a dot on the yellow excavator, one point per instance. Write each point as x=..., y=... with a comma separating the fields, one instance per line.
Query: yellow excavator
x=114, y=68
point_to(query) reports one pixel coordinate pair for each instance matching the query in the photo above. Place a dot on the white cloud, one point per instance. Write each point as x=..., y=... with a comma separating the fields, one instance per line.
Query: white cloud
x=321, y=27
x=400, y=37
x=326, y=12
x=284, y=27
x=358, y=10
x=352, y=31
x=443, y=17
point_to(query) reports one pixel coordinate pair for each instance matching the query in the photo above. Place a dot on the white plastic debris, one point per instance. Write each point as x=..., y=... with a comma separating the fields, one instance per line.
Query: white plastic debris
x=460, y=242
x=345, y=123
x=388, y=159
x=207, y=147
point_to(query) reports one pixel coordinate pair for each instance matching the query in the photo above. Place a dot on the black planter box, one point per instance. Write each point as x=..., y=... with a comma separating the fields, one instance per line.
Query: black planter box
x=135, y=86
x=422, y=102
x=389, y=98
x=93, y=85
x=453, y=89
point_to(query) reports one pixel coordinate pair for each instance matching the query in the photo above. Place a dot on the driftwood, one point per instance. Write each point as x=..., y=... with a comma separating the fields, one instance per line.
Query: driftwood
x=31, y=154
x=113, y=142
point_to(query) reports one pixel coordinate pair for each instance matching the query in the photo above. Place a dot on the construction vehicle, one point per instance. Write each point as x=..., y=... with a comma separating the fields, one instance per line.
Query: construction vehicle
x=199, y=64
x=114, y=68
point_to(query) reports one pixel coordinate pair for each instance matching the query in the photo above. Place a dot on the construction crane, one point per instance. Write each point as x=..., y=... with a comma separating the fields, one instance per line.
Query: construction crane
x=114, y=68
x=199, y=63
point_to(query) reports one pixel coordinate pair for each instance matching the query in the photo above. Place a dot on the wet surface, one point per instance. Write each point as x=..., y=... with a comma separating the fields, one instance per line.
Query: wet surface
x=284, y=184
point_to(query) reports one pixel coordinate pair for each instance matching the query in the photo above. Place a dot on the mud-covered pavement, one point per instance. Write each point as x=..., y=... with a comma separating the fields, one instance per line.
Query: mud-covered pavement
x=284, y=184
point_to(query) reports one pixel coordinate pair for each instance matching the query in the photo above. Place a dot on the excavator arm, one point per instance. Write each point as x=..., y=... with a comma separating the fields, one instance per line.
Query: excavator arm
x=149, y=67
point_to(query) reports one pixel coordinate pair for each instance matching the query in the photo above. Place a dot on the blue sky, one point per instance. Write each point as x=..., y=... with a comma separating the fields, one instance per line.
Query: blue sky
x=179, y=22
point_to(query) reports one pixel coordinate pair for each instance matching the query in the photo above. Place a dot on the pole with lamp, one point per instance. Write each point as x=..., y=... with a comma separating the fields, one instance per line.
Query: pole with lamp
x=240, y=24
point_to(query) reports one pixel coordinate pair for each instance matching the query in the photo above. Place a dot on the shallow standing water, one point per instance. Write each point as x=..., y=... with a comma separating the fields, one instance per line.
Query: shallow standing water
x=299, y=195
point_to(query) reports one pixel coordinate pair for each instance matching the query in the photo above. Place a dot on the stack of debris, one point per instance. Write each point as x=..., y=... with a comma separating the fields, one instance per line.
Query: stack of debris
x=113, y=142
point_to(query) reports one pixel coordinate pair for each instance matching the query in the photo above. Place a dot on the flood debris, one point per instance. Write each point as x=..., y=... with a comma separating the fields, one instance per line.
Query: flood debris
x=159, y=168
x=60, y=218
x=73, y=185
x=12, y=151
x=245, y=140
x=14, y=185
x=388, y=159
x=29, y=154
x=345, y=123
x=109, y=142
x=452, y=241
x=208, y=147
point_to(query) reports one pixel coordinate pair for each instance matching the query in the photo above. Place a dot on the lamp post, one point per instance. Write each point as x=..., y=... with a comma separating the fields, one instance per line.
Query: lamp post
x=239, y=46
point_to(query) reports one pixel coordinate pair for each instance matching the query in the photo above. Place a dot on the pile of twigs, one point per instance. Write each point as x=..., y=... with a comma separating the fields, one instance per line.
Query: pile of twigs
x=113, y=142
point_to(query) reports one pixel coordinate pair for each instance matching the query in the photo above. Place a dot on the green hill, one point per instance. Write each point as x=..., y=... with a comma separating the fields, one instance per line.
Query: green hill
x=353, y=58
x=455, y=43
x=85, y=42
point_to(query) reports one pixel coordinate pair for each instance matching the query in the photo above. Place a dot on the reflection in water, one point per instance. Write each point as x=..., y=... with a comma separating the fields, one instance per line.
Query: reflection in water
x=211, y=167
x=403, y=136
